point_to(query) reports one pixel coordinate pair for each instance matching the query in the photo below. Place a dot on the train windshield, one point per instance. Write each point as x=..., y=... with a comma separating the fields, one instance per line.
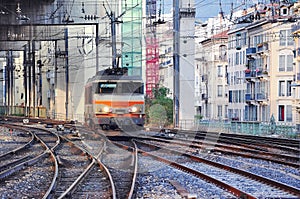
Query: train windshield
x=121, y=87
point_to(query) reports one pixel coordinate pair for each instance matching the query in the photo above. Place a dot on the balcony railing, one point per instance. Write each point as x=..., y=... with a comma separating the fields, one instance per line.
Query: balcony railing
x=250, y=51
x=262, y=47
x=250, y=74
x=257, y=73
x=249, y=97
x=261, y=97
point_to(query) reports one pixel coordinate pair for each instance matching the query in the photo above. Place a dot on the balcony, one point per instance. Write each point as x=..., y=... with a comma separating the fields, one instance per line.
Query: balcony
x=257, y=73
x=260, y=97
x=260, y=73
x=262, y=48
x=249, y=74
x=250, y=51
x=250, y=98
x=220, y=58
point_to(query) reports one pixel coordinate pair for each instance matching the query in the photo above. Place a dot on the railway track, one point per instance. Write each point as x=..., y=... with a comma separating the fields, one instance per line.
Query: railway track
x=71, y=163
x=257, y=142
x=248, y=151
x=27, y=168
x=70, y=171
x=220, y=174
x=122, y=165
x=284, y=172
x=95, y=181
x=288, y=155
x=95, y=168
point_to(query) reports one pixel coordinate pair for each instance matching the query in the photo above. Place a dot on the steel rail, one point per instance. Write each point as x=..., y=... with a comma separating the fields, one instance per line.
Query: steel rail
x=95, y=160
x=22, y=165
x=21, y=147
x=234, y=150
x=135, y=156
x=75, y=184
x=229, y=188
x=288, y=188
x=48, y=150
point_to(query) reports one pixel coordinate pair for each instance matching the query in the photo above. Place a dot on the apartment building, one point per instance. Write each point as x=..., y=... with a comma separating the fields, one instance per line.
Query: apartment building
x=237, y=45
x=296, y=82
x=261, y=69
x=166, y=70
x=213, y=68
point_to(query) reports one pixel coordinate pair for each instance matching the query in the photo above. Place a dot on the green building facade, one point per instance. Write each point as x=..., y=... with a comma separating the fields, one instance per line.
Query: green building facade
x=132, y=36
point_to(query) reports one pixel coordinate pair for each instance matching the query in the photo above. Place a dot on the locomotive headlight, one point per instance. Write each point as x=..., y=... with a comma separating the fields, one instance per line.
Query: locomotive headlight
x=106, y=109
x=133, y=109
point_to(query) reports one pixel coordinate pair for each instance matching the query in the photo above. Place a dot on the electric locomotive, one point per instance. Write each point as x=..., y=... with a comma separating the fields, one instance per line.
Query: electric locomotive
x=114, y=100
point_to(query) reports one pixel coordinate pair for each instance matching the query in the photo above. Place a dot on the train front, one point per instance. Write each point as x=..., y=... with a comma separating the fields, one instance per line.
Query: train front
x=119, y=103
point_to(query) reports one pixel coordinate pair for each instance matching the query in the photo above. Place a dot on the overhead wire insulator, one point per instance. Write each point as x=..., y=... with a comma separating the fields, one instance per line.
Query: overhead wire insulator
x=82, y=9
x=90, y=17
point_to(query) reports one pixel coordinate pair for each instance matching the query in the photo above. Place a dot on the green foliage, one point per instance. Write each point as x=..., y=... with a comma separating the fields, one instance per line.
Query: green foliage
x=198, y=117
x=159, y=110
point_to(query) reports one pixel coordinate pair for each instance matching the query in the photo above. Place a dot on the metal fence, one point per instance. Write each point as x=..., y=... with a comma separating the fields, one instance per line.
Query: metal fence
x=39, y=112
x=286, y=130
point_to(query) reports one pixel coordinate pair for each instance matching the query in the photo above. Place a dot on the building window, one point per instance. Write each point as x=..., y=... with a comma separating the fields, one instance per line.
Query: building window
x=244, y=38
x=281, y=62
x=219, y=111
x=289, y=88
x=220, y=74
x=237, y=61
x=280, y=113
x=264, y=114
x=220, y=90
x=289, y=113
x=289, y=63
x=281, y=88
x=285, y=38
x=285, y=63
x=230, y=97
x=284, y=12
x=222, y=52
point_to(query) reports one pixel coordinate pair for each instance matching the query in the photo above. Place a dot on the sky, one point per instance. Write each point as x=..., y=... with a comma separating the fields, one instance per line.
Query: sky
x=210, y=8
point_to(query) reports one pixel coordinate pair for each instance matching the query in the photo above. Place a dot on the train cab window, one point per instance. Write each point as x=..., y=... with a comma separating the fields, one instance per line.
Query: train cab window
x=120, y=87
x=131, y=87
x=107, y=87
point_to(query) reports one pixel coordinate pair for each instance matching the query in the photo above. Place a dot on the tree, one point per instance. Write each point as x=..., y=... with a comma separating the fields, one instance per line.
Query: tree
x=159, y=110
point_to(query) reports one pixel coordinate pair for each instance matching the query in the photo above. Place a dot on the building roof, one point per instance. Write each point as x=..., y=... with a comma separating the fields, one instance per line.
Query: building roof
x=221, y=35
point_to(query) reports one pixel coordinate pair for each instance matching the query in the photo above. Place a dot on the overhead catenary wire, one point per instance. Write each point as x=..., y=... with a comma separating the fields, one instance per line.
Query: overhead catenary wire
x=183, y=32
